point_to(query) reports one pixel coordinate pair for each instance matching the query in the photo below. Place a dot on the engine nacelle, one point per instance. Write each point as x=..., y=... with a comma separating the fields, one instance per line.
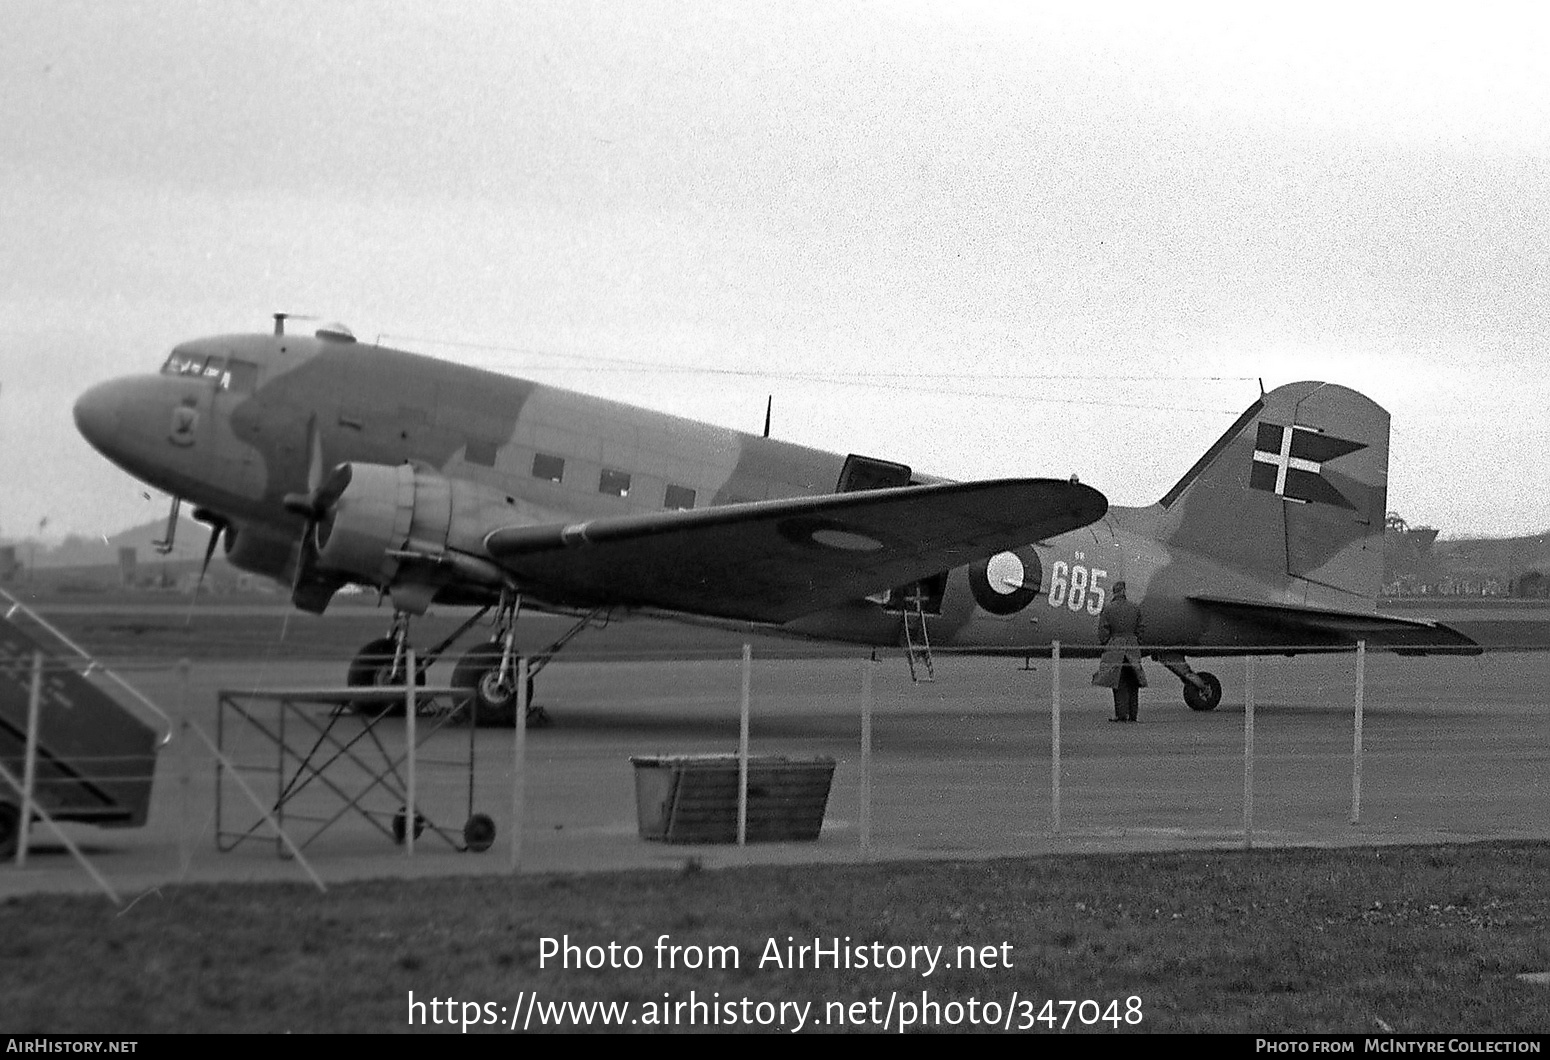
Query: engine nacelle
x=408, y=528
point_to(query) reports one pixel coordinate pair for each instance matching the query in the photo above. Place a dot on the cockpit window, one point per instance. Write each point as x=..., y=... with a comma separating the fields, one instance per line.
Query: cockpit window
x=241, y=376
x=195, y=364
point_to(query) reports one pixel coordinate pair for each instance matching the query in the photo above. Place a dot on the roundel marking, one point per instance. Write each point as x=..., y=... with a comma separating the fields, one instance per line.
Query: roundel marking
x=813, y=532
x=1007, y=582
x=1004, y=572
x=847, y=540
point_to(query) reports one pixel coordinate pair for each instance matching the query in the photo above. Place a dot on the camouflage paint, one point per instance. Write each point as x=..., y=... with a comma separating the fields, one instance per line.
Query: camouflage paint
x=1213, y=534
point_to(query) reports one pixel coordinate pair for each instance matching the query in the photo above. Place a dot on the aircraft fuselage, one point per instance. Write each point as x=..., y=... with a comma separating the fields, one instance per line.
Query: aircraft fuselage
x=236, y=425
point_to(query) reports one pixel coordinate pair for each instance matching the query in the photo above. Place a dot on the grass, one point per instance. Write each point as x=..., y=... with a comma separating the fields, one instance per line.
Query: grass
x=1410, y=938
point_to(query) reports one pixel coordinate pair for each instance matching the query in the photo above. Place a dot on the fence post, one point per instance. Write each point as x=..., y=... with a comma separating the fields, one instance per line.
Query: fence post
x=1054, y=738
x=185, y=771
x=742, y=750
x=1248, y=752
x=409, y=737
x=867, y=667
x=30, y=762
x=518, y=779
x=1356, y=738
x=14, y=784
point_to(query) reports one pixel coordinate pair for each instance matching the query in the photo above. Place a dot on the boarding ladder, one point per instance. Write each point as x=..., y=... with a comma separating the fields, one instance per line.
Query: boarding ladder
x=917, y=639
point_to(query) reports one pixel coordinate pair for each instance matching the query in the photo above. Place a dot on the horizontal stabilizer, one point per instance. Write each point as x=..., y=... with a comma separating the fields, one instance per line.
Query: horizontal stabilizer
x=773, y=561
x=1406, y=636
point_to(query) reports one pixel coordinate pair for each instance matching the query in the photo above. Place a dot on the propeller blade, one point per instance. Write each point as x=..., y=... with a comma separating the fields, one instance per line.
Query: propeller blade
x=311, y=589
x=315, y=454
x=216, y=529
x=316, y=502
x=305, y=560
x=328, y=494
x=307, y=503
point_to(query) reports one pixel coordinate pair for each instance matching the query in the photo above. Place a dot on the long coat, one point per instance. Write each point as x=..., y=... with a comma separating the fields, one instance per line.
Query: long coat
x=1119, y=630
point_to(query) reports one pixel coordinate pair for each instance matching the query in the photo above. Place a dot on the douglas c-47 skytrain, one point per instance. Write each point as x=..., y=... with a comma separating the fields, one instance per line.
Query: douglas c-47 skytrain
x=322, y=461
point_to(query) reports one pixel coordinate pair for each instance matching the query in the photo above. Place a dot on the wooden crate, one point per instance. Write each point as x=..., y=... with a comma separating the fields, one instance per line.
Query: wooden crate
x=693, y=798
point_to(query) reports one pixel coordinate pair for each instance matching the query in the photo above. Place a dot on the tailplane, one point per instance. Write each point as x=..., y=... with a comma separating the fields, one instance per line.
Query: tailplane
x=1298, y=488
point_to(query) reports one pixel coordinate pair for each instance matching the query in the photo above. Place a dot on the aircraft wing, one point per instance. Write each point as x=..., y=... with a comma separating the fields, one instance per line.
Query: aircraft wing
x=773, y=561
x=1406, y=636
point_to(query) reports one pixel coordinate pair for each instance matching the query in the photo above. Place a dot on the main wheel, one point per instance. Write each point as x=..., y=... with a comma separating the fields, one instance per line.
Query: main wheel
x=401, y=825
x=1207, y=698
x=483, y=695
x=10, y=829
x=479, y=833
x=372, y=667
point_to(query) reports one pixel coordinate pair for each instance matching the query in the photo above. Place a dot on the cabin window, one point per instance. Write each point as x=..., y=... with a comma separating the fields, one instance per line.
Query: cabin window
x=679, y=497
x=614, y=483
x=548, y=467
x=481, y=452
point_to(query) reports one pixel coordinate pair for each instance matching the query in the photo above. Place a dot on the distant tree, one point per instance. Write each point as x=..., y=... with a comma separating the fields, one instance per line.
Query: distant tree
x=1531, y=583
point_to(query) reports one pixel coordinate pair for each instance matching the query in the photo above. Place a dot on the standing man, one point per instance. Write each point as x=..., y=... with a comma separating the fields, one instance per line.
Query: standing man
x=1119, y=631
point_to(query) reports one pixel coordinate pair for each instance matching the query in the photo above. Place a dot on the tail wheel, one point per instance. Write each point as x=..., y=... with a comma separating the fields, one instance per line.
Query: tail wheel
x=10, y=829
x=372, y=667
x=1206, y=698
x=482, y=693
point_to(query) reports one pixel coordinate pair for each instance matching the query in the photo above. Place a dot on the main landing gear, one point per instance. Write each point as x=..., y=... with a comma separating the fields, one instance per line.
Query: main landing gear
x=484, y=679
x=486, y=676
x=384, y=663
x=1202, y=691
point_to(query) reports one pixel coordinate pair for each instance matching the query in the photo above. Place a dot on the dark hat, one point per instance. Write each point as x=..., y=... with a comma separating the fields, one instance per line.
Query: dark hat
x=1119, y=588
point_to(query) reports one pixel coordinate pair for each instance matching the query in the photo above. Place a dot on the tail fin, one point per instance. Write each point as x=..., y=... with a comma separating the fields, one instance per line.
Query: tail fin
x=1297, y=488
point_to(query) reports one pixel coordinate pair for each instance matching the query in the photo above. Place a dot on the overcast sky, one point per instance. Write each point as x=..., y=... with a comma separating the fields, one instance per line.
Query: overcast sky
x=1054, y=241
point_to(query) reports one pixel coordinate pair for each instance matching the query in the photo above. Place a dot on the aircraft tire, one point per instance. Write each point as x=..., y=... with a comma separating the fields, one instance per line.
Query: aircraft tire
x=483, y=696
x=369, y=670
x=10, y=829
x=1208, y=698
x=401, y=825
x=479, y=833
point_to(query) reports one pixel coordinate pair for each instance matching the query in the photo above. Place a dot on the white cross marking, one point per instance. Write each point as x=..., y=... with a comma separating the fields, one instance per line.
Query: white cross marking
x=1285, y=460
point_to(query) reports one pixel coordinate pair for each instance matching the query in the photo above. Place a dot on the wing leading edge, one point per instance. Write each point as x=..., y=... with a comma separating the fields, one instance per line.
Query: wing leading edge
x=773, y=561
x=1405, y=636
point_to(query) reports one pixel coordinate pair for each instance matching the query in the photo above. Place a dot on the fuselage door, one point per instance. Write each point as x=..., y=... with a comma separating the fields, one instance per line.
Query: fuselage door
x=866, y=473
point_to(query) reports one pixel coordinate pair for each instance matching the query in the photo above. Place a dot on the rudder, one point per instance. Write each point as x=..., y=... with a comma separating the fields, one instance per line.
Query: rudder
x=1296, y=489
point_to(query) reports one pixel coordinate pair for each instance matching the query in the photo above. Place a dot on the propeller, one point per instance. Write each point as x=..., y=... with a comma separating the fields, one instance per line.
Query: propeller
x=316, y=503
x=323, y=492
x=315, y=506
x=218, y=527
